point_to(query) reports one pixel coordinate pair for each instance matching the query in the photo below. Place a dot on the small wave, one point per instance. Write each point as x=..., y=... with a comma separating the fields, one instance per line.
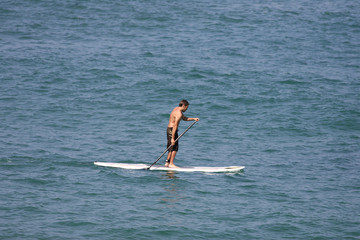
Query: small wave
x=291, y=82
x=230, y=19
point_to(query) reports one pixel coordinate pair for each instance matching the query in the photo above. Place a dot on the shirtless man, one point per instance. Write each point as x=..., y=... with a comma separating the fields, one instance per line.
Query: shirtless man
x=172, y=131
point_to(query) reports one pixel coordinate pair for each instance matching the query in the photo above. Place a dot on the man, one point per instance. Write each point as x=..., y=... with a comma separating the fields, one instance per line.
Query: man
x=172, y=131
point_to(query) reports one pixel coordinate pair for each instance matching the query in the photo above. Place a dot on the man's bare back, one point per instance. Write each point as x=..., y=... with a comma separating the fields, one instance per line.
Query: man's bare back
x=175, y=117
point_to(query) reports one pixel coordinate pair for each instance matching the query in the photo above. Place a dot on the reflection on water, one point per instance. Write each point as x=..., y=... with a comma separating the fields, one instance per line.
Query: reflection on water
x=171, y=175
x=171, y=187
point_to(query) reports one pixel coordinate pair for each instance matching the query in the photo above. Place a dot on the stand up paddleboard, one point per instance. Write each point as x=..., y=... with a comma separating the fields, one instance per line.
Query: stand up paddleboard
x=162, y=168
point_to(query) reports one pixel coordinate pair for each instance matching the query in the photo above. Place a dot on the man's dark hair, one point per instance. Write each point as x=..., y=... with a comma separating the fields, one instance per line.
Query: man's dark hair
x=183, y=102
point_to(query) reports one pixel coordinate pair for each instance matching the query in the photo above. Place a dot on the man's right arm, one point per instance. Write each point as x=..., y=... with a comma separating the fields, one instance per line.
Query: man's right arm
x=176, y=125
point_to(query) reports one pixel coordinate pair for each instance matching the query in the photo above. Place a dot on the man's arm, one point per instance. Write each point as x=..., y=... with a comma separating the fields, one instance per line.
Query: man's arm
x=176, y=125
x=183, y=117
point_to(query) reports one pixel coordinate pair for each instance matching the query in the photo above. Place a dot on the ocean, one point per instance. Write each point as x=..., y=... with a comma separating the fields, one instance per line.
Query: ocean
x=276, y=87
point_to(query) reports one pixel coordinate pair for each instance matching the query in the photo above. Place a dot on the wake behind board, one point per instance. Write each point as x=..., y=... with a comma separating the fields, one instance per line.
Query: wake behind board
x=162, y=168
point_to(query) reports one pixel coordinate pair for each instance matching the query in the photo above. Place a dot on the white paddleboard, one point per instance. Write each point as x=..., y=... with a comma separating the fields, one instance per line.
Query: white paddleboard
x=162, y=168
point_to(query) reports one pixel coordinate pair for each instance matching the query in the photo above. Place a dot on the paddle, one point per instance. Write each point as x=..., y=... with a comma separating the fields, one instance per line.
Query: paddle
x=171, y=145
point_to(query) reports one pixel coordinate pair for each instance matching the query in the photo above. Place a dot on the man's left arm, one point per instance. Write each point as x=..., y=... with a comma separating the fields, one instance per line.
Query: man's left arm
x=189, y=119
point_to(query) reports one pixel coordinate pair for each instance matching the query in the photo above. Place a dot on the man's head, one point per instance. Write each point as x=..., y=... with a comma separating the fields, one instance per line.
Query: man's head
x=184, y=104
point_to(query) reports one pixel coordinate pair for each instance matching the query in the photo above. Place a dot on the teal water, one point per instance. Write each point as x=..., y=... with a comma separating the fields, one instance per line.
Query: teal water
x=275, y=84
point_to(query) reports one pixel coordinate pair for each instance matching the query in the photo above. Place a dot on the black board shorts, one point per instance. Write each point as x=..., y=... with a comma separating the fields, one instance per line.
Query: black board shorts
x=169, y=136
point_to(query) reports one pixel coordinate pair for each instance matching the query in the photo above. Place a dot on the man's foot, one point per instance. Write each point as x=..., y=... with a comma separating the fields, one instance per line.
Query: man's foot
x=167, y=162
x=173, y=166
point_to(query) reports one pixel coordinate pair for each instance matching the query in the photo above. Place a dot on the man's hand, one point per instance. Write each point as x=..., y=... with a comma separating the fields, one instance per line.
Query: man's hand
x=172, y=142
x=196, y=119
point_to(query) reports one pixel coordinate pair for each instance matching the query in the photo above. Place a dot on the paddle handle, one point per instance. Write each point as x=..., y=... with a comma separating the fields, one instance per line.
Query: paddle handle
x=167, y=149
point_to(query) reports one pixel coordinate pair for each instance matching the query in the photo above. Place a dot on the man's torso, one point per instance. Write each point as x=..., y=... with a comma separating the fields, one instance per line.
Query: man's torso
x=175, y=114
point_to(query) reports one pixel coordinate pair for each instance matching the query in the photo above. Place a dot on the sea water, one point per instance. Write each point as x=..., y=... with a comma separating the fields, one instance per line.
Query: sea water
x=276, y=87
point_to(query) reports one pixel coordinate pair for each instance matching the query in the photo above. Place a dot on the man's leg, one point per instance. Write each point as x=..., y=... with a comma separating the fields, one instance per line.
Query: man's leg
x=172, y=158
x=167, y=162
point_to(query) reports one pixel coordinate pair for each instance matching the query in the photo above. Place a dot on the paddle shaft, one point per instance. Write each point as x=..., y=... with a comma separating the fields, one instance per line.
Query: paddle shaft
x=167, y=149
